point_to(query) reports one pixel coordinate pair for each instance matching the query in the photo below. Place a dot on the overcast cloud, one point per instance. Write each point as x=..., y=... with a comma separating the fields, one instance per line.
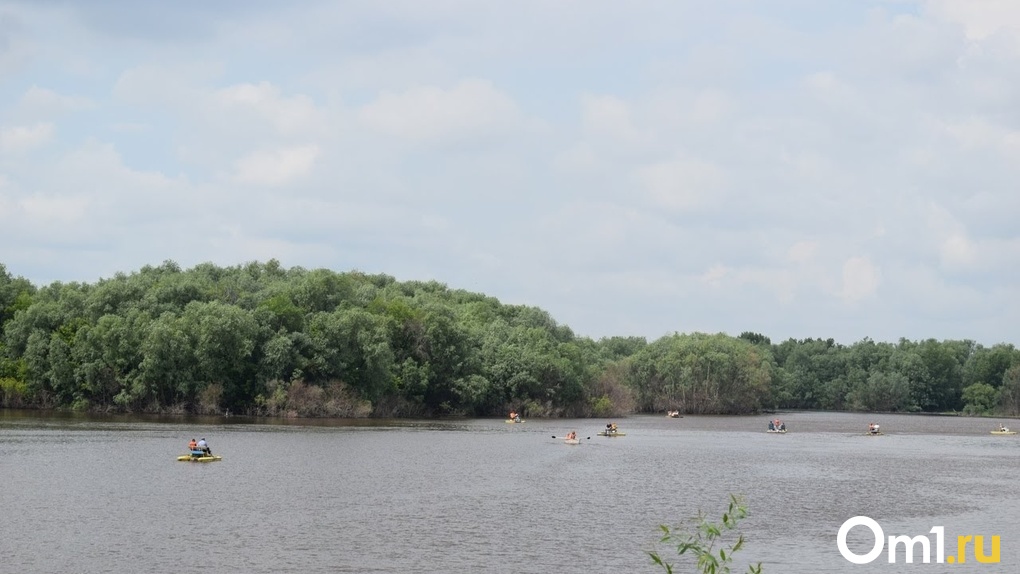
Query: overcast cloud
x=791, y=167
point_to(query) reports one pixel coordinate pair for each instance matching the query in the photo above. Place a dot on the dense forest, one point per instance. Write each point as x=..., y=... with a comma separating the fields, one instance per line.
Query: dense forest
x=261, y=339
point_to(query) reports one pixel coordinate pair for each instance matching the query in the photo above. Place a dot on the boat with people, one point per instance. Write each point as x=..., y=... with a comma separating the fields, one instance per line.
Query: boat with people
x=571, y=438
x=611, y=430
x=777, y=426
x=1003, y=430
x=873, y=430
x=673, y=414
x=199, y=456
x=514, y=417
x=199, y=451
x=518, y=420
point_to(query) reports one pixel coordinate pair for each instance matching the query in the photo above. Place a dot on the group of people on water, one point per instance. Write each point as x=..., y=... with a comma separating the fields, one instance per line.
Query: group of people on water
x=515, y=416
x=571, y=435
x=873, y=428
x=199, y=447
x=673, y=414
x=777, y=425
x=611, y=428
x=1002, y=428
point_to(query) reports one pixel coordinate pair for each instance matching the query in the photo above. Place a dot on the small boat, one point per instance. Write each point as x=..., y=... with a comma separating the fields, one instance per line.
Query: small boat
x=776, y=431
x=199, y=456
x=514, y=421
x=876, y=433
x=571, y=441
x=604, y=433
x=1007, y=431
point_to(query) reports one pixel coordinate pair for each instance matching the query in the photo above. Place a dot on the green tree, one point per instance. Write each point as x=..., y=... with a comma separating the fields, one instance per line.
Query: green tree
x=988, y=365
x=169, y=365
x=225, y=338
x=980, y=398
x=352, y=345
x=882, y=392
x=15, y=295
x=1009, y=393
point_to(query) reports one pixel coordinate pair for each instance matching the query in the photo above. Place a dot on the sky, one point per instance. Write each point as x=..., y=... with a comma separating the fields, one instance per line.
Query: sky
x=794, y=168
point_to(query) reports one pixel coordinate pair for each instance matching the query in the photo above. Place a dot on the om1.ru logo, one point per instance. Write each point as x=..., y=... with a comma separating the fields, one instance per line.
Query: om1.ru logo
x=909, y=543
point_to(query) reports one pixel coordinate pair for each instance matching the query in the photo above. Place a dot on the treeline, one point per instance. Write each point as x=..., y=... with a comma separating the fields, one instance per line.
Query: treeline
x=261, y=339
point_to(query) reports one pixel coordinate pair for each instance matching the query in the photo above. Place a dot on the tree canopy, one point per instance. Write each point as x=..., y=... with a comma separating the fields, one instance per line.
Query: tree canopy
x=262, y=339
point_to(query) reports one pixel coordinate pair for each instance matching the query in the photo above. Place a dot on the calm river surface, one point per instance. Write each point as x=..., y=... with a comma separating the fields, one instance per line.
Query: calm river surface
x=90, y=495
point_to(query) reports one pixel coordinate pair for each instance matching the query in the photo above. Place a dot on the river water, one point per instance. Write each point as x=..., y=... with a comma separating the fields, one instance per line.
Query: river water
x=96, y=495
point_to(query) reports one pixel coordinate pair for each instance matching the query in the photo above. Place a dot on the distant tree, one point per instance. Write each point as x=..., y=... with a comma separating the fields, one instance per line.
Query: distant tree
x=1009, y=393
x=988, y=365
x=755, y=338
x=980, y=398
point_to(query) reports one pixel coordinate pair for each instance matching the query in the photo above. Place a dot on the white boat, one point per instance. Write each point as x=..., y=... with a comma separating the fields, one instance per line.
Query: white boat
x=1003, y=431
x=776, y=431
x=572, y=441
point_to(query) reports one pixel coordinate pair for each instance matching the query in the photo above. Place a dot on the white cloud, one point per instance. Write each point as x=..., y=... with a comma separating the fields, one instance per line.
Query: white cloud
x=981, y=19
x=579, y=158
x=45, y=102
x=471, y=109
x=608, y=117
x=953, y=245
x=981, y=134
x=23, y=138
x=276, y=167
x=293, y=115
x=861, y=279
x=957, y=250
x=682, y=183
x=171, y=85
x=97, y=162
x=715, y=275
x=802, y=251
x=671, y=110
x=53, y=209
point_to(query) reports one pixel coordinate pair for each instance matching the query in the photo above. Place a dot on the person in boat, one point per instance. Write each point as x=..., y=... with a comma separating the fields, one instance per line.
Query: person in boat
x=571, y=435
x=782, y=426
x=611, y=428
x=204, y=447
x=515, y=417
x=1002, y=428
x=772, y=425
x=192, y=446
x=873, y=428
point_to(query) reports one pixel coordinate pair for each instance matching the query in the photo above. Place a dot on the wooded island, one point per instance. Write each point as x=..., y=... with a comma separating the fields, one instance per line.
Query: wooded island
x=260, y=339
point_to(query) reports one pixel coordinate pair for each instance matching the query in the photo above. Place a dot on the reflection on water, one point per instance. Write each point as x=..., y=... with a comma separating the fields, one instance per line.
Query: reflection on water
x=87, y=494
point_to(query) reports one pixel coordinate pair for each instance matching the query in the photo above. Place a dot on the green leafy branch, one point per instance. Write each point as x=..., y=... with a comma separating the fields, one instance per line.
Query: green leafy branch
x=701, y=543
